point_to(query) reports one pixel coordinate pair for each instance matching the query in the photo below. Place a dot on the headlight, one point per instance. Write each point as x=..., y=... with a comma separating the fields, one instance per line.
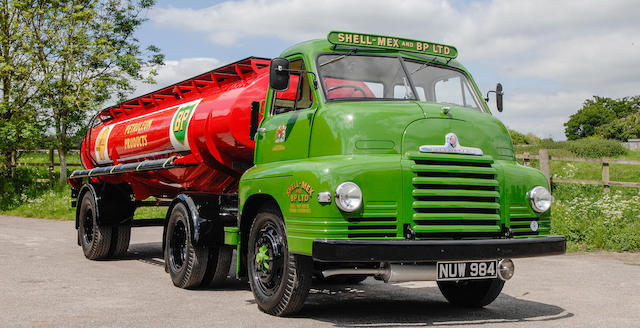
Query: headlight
x=348, y=196
x=540, y=199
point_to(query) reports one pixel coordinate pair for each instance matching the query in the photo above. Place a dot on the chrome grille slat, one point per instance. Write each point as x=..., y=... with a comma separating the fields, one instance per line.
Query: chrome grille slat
x=454, y=196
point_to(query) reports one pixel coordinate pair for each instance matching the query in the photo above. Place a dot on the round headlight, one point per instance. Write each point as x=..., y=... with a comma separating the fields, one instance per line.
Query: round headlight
x=540, y=199
x=348, y=196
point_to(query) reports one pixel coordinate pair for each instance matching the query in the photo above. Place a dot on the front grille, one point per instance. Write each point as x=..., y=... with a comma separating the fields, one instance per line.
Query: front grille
x=454, y=196
x=378, y=220
x=521, y=216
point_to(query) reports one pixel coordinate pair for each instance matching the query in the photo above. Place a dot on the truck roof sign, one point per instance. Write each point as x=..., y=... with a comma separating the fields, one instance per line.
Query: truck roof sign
x=389, y=42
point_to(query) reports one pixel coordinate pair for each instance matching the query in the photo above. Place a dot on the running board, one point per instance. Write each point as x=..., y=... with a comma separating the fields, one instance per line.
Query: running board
x=148, y=165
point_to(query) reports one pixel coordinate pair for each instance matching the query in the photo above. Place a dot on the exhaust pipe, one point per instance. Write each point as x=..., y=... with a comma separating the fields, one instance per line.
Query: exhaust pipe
x=411, y=272
x=390, y=272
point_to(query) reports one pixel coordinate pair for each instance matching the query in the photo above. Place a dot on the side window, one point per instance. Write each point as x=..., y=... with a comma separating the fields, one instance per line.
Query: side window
x=298, y=95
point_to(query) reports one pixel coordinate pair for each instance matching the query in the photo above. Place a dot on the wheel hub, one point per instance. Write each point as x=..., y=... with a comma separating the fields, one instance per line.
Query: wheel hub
x=268, y=268
x=178, y=246
x=87, y=225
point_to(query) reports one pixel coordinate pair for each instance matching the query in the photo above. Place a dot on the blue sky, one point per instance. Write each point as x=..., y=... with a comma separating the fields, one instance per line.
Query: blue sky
x=549, y=55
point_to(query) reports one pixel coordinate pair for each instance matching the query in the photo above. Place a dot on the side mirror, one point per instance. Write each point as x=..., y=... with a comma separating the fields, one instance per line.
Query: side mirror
x=279, y=74
x=499, y=94
x=255, y=116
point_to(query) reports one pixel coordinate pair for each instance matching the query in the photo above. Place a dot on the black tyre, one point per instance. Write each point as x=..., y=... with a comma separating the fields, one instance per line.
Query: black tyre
x=280, y=281
x=94, y=239
x=471, y=293
x=186, y=263
x=120, y=237
x=218, y=266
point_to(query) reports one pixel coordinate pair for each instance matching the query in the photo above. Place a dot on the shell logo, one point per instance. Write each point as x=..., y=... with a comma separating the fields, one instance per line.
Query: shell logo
x=101, y=144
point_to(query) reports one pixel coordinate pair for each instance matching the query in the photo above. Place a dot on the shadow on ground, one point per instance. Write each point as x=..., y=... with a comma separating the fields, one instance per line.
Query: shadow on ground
x=375, y=304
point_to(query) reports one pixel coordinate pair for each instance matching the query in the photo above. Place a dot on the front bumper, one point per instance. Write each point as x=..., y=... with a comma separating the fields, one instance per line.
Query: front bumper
x=326, y=250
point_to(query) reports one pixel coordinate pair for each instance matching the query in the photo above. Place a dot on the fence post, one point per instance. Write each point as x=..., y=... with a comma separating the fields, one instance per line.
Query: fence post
x=544, y=164
x=526, y=160
x=51, y=166
x=13, y=163
x=605, y=175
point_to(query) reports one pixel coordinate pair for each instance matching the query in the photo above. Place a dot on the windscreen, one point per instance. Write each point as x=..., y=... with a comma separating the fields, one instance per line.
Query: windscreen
x=360, y=77
x=441, y=85
x=363, y=77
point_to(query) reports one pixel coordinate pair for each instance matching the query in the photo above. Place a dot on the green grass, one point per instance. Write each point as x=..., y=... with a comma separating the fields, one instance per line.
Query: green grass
x=43, y=157
x=588, y=170
x=592, y=219
x=52, y=204
x=56, y=204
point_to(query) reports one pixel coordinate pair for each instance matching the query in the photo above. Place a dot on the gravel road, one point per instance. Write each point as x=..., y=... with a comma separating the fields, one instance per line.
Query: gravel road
x=45, y=281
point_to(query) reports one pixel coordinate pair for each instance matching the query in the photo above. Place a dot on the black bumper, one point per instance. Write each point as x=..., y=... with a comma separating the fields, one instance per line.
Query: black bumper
x=435, y=250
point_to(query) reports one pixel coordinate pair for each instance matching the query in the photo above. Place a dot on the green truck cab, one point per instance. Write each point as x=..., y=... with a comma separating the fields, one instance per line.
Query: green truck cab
x=378, y=156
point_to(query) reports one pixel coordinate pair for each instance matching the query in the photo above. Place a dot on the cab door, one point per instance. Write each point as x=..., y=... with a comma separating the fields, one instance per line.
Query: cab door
x=284, y=134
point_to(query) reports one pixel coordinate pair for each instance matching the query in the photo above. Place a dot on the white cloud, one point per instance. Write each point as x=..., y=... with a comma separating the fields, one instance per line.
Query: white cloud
x=540, y=113
x=174, y=71
x=575, y=48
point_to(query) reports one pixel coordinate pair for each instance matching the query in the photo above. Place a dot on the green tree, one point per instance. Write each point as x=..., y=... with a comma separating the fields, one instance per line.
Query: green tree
x=86, y=53
x=20, y=124
x=622, y=129
x=597, y=112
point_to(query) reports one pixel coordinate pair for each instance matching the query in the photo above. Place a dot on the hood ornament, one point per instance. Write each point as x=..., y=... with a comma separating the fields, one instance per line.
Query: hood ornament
x=451, y=146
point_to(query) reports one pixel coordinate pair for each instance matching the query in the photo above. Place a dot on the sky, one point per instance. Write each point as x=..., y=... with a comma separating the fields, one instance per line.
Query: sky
x=550, y=56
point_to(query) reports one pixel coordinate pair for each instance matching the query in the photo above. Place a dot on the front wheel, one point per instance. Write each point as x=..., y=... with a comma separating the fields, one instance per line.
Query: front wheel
x=471, y=293
x=279, y=280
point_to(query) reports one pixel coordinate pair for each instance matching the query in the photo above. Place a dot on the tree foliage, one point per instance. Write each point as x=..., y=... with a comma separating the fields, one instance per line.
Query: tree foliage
x=623, y=129
x=598, y=112
x=20, y=126
x=85, y=53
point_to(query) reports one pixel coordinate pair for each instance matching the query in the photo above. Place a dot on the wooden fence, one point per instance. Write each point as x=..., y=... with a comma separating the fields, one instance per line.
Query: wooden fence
x=544, y=158
x=51, y=164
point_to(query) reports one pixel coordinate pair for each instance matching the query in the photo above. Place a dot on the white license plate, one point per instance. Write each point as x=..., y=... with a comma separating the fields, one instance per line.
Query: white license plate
x=464, y=270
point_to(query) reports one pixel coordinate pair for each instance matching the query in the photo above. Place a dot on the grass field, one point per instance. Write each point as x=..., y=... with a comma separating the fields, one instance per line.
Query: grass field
x=590, y=218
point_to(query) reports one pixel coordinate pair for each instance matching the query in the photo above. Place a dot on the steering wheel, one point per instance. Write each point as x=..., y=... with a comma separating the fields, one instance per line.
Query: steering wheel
x=353, y=86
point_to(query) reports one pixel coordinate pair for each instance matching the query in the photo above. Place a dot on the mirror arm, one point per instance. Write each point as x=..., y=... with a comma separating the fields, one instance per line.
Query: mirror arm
x=488, y=92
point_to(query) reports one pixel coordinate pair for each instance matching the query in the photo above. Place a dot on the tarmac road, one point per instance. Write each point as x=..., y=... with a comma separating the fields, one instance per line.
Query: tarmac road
x=45, y=281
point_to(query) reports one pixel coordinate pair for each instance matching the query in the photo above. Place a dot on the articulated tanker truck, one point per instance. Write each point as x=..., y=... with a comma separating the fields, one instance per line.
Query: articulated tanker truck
x=352, y=157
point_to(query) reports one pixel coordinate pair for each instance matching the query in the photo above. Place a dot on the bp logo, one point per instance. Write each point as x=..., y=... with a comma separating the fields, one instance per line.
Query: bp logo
x=180, y=122
x=180, y=125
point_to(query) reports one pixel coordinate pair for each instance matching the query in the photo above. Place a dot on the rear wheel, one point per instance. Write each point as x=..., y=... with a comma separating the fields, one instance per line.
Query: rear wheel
x=218, y=266
x=120, y=237
x=471, y=293
x=94, y=238
x=186, y=262
x=280, y=281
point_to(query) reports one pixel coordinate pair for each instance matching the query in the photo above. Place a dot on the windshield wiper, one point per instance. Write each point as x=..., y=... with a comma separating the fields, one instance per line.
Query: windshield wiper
x=339, y=58
x=423, y=66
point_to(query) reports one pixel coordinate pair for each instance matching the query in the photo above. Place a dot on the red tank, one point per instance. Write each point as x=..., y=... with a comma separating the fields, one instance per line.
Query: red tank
x=203, y=121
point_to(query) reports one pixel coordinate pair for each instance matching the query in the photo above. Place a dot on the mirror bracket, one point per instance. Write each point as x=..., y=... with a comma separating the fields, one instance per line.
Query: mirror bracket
x=499, y=93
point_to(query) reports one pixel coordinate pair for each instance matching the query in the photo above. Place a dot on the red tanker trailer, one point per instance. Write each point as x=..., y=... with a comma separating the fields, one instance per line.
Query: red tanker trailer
x=199, y=127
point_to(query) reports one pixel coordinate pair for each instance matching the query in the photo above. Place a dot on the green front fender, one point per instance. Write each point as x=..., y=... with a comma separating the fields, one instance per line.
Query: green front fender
x=294, y=185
